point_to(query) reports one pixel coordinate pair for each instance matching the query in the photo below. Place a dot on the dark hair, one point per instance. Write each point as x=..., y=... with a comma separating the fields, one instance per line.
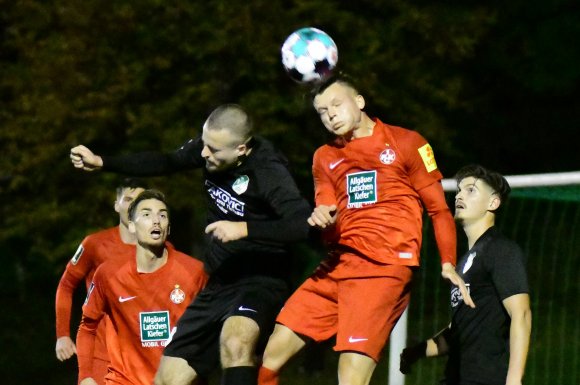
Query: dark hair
x=131, y=183
x=147, y=194
x=492, y=178
x=340, y=78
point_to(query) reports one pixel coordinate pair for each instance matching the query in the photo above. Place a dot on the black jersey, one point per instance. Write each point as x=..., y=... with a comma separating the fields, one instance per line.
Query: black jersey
x=493, y=270
x=260, y=191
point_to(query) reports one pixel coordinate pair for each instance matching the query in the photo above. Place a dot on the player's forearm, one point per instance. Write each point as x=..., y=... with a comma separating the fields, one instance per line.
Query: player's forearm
x=63, y=305
x=445, y=236
x=140, y=164
x=85, y=347
x=438, y=345
x=291, y=228
x=520, y=330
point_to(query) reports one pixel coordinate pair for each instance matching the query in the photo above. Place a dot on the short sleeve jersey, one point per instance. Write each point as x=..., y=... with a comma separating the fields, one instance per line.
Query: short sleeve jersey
x=493, y=270
x=143, y=309
x=374, y=182
x=96, y=248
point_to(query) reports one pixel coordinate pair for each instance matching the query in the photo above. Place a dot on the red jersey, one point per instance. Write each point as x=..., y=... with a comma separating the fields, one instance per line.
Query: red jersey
x=143, y=309
x=94, y=249
x=376, y=184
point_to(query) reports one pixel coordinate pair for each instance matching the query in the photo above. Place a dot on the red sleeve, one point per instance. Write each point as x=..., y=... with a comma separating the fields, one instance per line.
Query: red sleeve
x=86, y=346
x=76, y=270
x=93, y=311
x=433, y=198
x=63, y=304
x=419, y=159
x=323, y=187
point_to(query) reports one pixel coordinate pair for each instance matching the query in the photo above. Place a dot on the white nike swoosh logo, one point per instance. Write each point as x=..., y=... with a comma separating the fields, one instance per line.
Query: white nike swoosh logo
x=333, y=165
x=352, y=340
x=125, y=299
x=241, y=308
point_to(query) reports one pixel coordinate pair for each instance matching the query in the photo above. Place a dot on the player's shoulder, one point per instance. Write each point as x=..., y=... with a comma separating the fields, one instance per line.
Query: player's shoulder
x=400, y=133
x=111, y=266
x=108, y=234
x=500, y=247
x=185, y=259
x=265, y=155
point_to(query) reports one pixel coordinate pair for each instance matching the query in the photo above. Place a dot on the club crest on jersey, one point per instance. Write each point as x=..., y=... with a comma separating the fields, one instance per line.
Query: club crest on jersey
x=177, y=295
x=241, y=184
x=75, y=259
x=428, y=157
x=388, y=156
x=361, y=188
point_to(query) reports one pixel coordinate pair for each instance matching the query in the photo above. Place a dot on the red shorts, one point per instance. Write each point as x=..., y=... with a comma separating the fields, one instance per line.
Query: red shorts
x=361, y=311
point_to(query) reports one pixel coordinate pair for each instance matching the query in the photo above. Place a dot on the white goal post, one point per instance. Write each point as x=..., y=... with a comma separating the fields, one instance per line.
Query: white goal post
x=398, y=338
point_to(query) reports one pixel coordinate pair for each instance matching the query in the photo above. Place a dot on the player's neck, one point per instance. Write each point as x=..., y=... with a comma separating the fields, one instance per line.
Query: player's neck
x=364, y=129
x=150, y=259
x=126, y=236
x=475, y=230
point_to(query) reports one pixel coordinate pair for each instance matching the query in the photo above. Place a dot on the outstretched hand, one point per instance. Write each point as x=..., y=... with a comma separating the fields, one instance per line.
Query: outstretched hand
x=83, y=158
x=448, y=272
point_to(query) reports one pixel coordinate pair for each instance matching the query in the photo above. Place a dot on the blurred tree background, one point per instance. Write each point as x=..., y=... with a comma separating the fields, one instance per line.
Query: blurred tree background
x=492, y=82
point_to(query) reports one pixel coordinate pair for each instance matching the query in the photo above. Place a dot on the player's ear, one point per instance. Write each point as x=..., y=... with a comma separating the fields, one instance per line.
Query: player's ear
x=242, y=149
x=131, y=227
x=360, y=101
x=494, y=203
x=117, y=206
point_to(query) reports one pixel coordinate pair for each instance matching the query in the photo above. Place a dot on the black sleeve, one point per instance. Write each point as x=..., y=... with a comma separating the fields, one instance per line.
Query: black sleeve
x=186, y=157
x=509, y=269
x=291, y=209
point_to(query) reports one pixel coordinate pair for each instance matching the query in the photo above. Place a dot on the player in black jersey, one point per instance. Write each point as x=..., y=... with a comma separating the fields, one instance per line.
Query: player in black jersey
x=488, y=344
x=255, y=212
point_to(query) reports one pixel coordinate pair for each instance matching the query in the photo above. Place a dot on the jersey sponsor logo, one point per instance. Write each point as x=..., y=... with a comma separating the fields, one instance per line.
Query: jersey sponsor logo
x=388, y=156
x=241, y=184
x=154, y=326
x=75, y=259
x=456, y=297
x=177, y=295
x=224, y=200
x=428, y=157
x=333, y=165
x=353, y=340
x=361, y=188
x=125, y=299
x=89, y=291
x=469, y=262
x=243, y=308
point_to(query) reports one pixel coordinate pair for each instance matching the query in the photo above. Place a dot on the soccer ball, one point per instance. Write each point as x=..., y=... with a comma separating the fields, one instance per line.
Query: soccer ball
x=309, y=55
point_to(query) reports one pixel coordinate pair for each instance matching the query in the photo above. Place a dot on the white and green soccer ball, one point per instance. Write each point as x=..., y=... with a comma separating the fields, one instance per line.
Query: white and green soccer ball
x=309, y=55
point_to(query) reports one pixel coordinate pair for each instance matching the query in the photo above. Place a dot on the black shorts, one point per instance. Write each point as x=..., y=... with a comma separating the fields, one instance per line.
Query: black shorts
x=196, y=339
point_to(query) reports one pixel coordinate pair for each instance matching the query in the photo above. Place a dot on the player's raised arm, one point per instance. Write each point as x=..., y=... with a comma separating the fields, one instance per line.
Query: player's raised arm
x=83, y=158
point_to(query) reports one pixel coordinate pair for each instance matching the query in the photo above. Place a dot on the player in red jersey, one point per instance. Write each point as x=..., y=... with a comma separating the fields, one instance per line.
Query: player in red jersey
x=114, y=243
x=371, y=184
x=143, y=298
